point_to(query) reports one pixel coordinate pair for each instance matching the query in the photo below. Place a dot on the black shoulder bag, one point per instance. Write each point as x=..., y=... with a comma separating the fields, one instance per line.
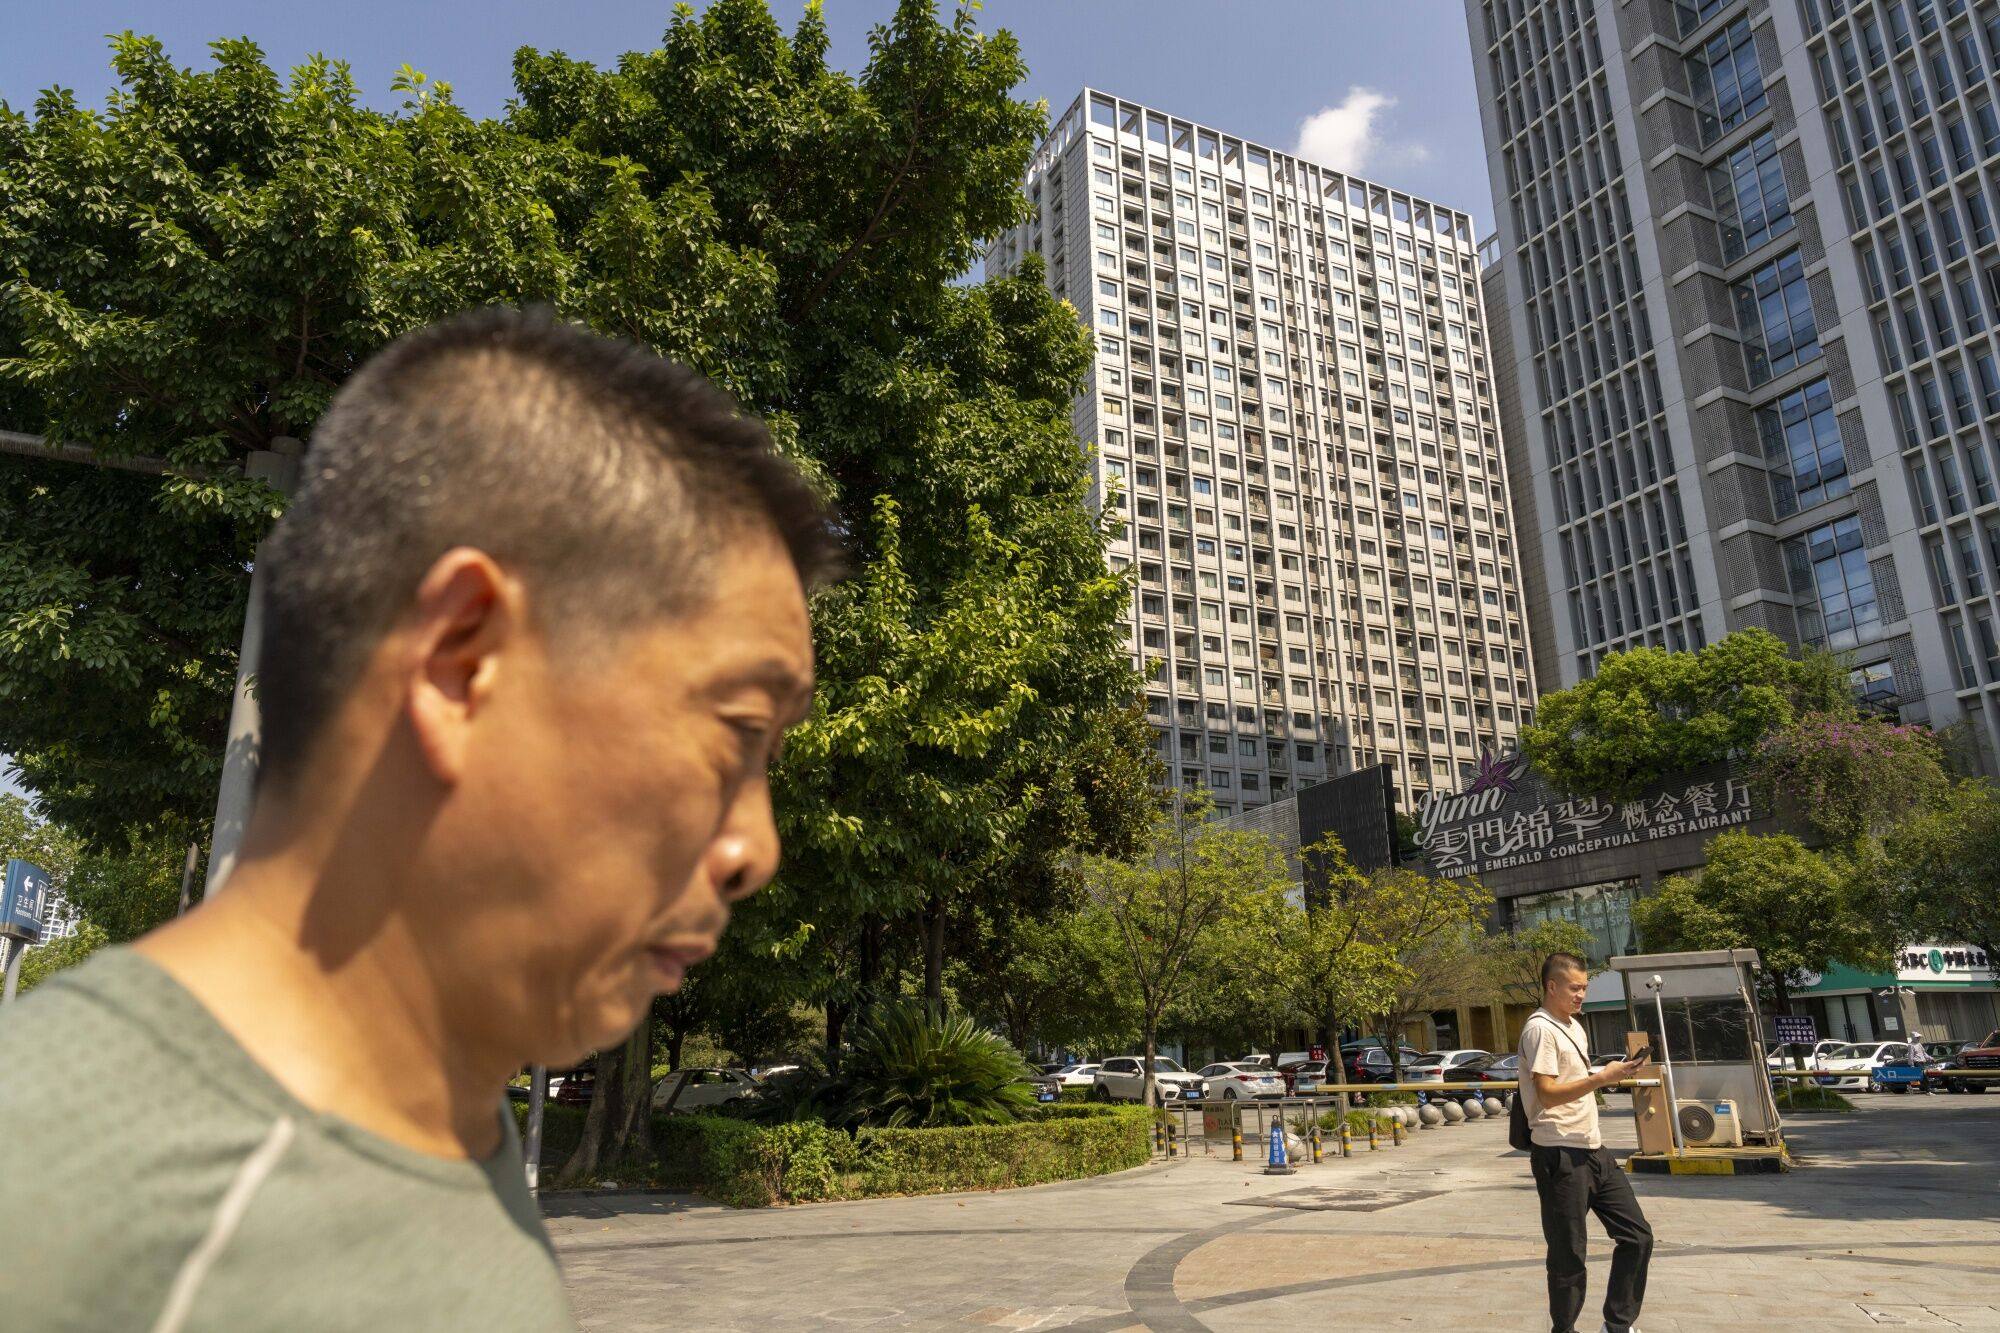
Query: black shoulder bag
x=1518, y=1134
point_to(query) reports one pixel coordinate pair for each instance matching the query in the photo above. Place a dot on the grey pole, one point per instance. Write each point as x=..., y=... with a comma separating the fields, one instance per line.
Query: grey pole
x=278, y=467
x=16, y=951
x=531, y=1147
x=187, y=876
x=1667, y=1063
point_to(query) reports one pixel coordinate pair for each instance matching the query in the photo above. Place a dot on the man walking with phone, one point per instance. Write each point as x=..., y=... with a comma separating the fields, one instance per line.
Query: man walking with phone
x=1574, y=1175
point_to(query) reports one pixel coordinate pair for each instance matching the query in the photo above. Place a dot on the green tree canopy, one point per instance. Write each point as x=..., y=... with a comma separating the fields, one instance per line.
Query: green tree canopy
x=122, y=892
x=192, y=272
x=187, y=275
x=1801, y=910
x=1194, y=879
x=1423, y=933
x=1940, y=870
x=1513, y=961
x=1648, y=712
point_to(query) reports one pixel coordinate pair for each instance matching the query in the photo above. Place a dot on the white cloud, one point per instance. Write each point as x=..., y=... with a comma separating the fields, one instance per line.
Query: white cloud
x=1348, y=135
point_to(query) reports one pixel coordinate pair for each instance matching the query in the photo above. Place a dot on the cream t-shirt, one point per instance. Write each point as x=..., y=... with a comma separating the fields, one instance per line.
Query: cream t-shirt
x=1551, y=1046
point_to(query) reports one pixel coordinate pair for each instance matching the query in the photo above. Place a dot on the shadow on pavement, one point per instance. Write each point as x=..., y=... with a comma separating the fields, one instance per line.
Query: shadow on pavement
x=1892, y=1159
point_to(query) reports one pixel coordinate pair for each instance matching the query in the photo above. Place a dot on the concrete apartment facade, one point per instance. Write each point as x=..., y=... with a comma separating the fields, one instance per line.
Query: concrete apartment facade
x=1292, y=412
x=1747, y=272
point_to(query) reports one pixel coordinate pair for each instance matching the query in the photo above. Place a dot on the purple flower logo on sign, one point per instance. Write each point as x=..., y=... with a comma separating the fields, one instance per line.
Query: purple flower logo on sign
x=1495, y=772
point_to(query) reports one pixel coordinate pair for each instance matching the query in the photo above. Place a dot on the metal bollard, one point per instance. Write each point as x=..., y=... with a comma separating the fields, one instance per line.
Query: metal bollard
x=1372, y=1144
x=1396, y=1133
x=1159, y=1137
x=1315, y=1143
x=1346, y=1140
x=1171, y=1137
x=1235, y=1132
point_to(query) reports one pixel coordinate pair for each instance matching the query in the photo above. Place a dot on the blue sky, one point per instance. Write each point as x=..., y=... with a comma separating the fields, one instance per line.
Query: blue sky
x=1386, y=87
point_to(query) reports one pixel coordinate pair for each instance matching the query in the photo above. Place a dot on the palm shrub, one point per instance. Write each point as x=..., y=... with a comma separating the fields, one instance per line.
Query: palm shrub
x=910, y=1071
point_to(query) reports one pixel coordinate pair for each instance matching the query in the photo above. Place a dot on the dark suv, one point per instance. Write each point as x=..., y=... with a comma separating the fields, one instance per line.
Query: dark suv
x=1979, y=1058
x=1370, y=1064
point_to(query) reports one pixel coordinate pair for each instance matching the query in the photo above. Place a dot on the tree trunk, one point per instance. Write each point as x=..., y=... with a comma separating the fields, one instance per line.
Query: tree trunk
x=1147, y=1092
x=1329, y=1040
x=617, y=1129
x=583, y=1162
x=934, y=960
x=675, y=1039
x=836, y=1019
x=634, y=1145
x=868, y=968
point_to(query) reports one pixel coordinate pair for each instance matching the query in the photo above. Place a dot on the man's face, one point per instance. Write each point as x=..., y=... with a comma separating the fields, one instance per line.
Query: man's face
x=615, y=803
x=1563, y=996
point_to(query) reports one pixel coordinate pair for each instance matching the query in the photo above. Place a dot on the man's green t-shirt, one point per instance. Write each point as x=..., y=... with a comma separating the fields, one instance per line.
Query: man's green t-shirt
x=155, y=1177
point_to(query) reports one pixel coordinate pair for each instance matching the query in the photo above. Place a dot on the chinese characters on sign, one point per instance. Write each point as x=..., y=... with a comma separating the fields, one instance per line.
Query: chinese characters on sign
x=1926, y=962
x=1518, y=821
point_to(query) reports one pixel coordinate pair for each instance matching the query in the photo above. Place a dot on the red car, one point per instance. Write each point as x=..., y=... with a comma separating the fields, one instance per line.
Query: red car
x=1312, y=1073
x=1979, y=1058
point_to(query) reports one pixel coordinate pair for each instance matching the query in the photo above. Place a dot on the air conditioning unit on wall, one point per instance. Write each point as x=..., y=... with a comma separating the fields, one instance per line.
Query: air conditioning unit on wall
x=1709, y=1124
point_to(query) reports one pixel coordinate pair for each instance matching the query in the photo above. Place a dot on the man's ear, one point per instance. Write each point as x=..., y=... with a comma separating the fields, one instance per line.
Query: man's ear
x=466, y=614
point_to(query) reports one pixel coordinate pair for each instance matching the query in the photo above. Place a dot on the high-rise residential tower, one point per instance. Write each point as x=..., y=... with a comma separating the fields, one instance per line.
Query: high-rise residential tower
x=1293, y=414
x=1747, y=251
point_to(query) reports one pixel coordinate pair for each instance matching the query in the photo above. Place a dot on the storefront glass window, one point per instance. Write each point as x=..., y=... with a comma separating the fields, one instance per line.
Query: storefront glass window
x=1605, y=910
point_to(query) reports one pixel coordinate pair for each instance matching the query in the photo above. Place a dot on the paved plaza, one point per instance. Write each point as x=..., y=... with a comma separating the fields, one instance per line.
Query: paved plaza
x=1892, y=1221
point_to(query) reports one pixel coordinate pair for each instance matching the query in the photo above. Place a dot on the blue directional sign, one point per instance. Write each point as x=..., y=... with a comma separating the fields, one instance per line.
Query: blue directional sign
x=23, y=900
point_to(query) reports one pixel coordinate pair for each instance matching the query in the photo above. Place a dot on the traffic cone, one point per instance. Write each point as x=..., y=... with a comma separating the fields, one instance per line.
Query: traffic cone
x=1279, y=1165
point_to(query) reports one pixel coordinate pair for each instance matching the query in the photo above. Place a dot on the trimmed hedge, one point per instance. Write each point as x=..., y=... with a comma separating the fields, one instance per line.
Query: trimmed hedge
x=749, y=1165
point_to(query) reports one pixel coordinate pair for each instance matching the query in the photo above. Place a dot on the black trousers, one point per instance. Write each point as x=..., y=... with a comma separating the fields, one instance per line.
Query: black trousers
x=1573, y=1182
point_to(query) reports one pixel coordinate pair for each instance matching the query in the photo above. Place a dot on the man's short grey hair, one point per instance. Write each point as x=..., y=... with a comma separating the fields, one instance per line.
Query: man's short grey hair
x=609, y=479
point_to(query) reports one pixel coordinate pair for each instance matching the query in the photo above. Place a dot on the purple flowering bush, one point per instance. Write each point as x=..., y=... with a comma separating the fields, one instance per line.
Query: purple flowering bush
x=1852, y=777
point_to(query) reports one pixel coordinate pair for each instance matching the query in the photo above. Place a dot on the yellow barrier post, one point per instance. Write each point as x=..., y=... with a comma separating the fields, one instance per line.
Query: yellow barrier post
x=1372, y=1144
x=1346, y=1140
x=1235, y=1131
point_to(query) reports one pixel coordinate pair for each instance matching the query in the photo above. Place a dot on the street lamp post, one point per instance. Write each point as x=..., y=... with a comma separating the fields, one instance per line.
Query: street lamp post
x=1657, y=985
x=278, y=467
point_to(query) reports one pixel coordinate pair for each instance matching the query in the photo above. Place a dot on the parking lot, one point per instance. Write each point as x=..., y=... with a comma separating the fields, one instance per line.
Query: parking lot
x=1893, y=1220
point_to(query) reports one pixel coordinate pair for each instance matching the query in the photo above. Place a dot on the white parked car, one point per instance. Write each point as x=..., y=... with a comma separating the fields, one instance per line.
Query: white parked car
x=1122, y=1079
x=1231, y=1082
x=1437, y=1066
x=1851, y=1065
x=1780, y=1056
x=701, y=1089
x=1077, y=1076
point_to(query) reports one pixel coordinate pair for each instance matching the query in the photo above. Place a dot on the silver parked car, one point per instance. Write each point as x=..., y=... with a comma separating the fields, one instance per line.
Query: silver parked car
x=702, y=1089
x=1231, y=1082
x=1123, y=1079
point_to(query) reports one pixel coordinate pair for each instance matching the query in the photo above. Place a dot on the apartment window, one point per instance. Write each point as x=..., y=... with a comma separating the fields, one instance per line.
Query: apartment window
x=1727, y=82
x=1775, y=318
x=1802, y=444
x=1829, y=573
x=1750, y=197
x=1940, y=571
